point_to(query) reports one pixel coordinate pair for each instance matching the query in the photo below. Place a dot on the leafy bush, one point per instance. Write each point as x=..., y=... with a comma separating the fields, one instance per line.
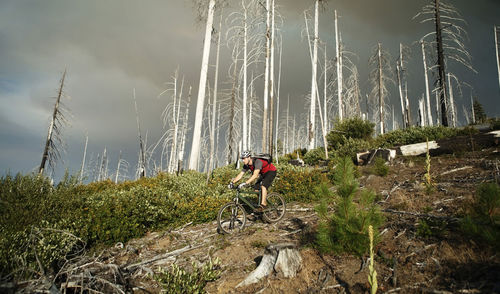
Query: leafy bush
x=178, y=280
x=346, y=229
x=414, y=135
x=103, y=213
x=300, y=152
x=297, y=183
x=313, y=157
x=351, y=147
x=352, y=128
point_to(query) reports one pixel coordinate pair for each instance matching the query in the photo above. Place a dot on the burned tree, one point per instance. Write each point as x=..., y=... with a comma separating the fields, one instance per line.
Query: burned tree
x=448, y=44
x=54, y=143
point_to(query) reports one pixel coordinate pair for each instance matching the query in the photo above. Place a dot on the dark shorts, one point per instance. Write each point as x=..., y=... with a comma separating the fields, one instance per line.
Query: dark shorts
x=265, y=179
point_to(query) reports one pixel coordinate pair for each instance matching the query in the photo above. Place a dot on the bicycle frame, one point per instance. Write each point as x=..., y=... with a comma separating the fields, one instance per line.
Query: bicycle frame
x=239, y=197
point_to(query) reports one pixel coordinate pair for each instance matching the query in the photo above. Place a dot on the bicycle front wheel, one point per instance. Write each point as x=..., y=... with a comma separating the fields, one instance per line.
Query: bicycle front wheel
x=231, y=218
x=276, y=208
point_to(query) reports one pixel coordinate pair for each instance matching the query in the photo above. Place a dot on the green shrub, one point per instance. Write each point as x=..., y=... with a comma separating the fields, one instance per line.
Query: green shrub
x=297, y=183
x=179, y=281
x=354, y=128
x=346, y=229
x=313, y=157
x=379, y=167
x=299, y=152
x=350, y=148
x=417, y=134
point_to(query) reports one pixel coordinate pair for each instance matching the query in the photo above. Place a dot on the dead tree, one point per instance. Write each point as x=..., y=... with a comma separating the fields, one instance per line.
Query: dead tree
x=54, y=143
x=449, y=44
x=497, y=44
x=380, y=76
x=195, y=146
x=80, y=179
x=142, y=148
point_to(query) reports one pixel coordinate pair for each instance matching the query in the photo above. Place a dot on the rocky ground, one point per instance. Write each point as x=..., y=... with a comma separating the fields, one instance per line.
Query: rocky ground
x=407, y=262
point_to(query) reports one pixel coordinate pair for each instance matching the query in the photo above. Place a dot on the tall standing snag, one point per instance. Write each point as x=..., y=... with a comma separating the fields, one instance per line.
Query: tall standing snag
x=448, y=43
x=195, y=147
x=497, y=44
x=54, y=142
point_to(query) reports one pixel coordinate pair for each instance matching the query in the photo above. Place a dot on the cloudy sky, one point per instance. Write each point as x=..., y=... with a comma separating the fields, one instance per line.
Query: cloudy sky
x=111, y=47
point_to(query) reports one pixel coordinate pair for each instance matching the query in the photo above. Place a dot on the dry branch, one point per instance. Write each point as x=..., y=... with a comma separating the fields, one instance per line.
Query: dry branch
x=163, y=256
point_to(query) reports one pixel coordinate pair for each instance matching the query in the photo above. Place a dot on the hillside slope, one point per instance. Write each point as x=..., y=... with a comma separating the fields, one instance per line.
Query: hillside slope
x=421, y=250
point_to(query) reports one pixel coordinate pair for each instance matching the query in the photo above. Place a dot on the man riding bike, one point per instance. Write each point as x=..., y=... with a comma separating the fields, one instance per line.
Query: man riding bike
x=262, y=171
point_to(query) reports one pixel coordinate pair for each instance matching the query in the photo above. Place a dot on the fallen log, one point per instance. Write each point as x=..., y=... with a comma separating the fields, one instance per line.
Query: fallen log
x=452, y=145
x=163, y=256
x=437, y=147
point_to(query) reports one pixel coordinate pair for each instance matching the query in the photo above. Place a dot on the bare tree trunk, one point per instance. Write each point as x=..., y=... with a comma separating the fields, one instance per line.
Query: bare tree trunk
x=437, y=108
x=421, y=112
x=195, y=147
x=245, y=67
x=325, y=98
x=472, y=110
x=408, y=110
x=231, y=115
x=49, y=143
x=400, y=86
x=427, y=93
x=118, y=167
x=83, y=160
x=266, y=78
x=287, y=148
x=441, y=68
x=142, y=159
x=250, y=114
x=271, y=84
x=452, y=103
x=339, y=67
x=380, y=84
x=312, y=114
x=497, y=44
x=400, y=70
x=278, y=103
x=216, y=81
x=217, y=138
x=184, y=133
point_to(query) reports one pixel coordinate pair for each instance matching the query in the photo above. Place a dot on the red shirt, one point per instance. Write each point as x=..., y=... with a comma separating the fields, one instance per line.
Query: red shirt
x=261, y=164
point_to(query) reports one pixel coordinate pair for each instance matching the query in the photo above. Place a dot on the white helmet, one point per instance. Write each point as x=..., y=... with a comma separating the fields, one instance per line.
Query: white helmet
x=245, y=154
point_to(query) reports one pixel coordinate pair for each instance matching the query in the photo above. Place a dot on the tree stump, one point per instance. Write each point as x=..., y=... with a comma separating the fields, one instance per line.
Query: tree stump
x=283, y=259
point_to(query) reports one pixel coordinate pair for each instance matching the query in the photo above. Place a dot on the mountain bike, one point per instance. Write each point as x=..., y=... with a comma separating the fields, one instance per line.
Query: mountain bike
x=232, y=216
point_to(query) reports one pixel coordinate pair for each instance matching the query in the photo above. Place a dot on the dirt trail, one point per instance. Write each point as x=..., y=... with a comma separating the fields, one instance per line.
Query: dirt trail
x=406, y=262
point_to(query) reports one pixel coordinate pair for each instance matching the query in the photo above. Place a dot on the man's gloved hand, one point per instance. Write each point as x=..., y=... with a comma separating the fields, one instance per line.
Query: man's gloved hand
x=242, y=185
x=231, y=185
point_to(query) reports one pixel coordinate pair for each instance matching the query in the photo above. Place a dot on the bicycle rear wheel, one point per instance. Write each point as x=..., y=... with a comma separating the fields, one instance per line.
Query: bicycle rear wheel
x=276, y=208
x=231, y=218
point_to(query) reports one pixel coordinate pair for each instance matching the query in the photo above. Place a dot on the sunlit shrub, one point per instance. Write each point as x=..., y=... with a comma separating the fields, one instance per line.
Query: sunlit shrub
x=314, y=156
x=352, y=128
x=297, y=183
x=180, y=281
